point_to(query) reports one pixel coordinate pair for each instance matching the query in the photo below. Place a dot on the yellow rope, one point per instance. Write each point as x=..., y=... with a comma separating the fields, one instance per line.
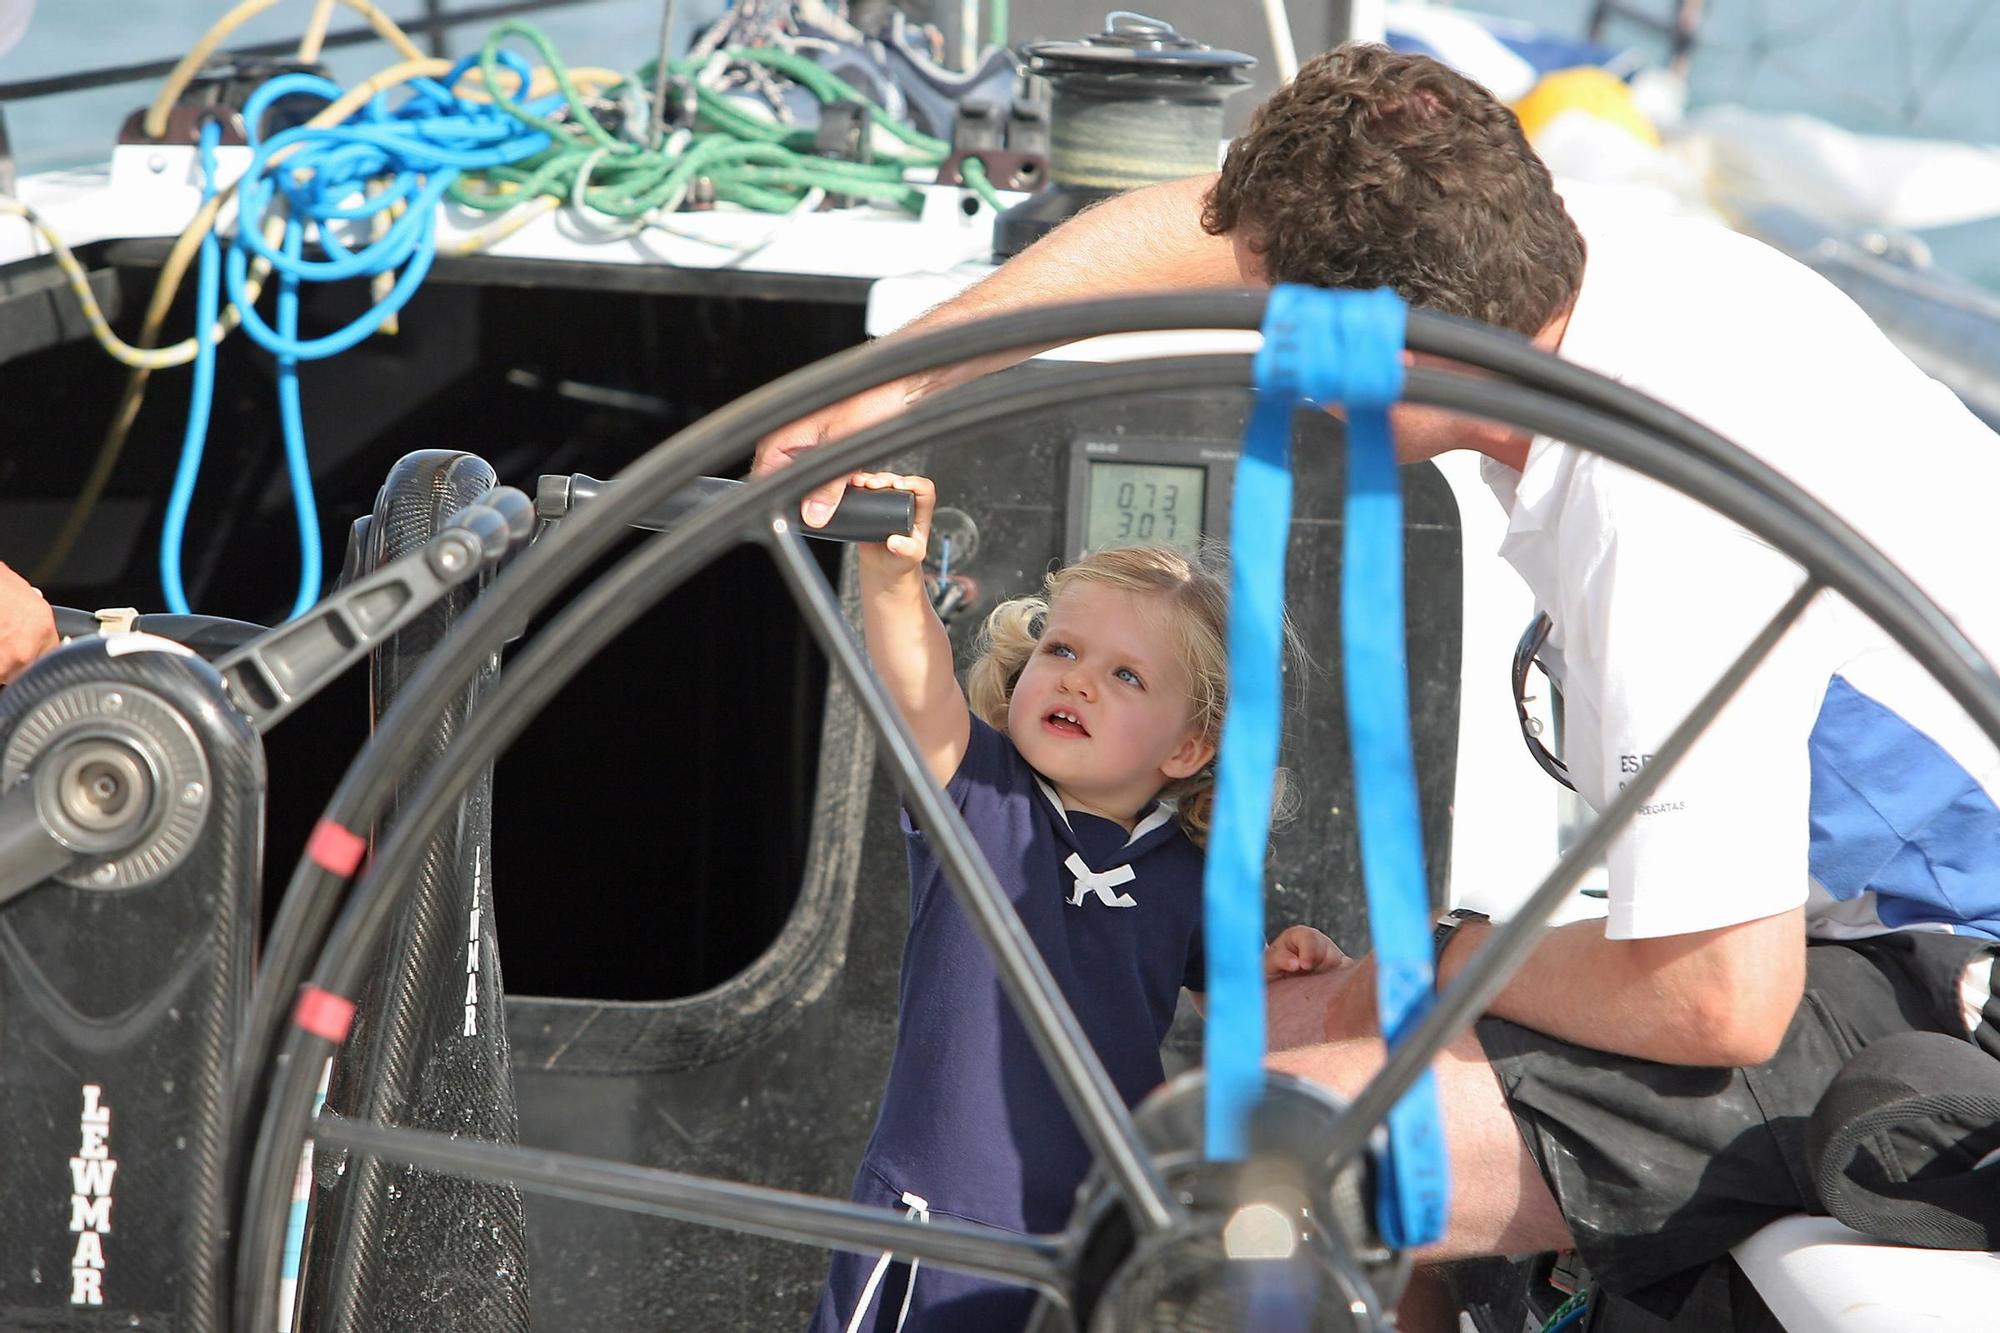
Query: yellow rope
x=142, y=357
x=190, y=64
x=181, y=353
x=314, y=36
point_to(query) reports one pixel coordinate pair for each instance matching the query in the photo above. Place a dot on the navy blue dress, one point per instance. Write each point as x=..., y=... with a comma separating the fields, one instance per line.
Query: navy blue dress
x=971, y=1127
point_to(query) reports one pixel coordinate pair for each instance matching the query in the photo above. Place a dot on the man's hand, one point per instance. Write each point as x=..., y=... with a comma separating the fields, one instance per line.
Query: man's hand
x=1300, y=950
x=1148, y=239
x=27, y=625
x=836, y=422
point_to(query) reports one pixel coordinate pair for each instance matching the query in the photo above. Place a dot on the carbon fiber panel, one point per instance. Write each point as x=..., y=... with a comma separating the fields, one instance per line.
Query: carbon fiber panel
x=395, y=1247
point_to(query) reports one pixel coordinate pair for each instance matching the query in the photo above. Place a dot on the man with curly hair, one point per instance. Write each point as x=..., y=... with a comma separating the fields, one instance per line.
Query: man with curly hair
x=1824, y=868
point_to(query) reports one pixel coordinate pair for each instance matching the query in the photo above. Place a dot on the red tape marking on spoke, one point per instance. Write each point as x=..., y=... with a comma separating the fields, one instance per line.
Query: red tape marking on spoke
x=323, y=1014
x=332, y=847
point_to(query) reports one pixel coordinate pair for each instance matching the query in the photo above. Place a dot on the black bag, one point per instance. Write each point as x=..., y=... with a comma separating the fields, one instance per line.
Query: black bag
x=1905, y=1144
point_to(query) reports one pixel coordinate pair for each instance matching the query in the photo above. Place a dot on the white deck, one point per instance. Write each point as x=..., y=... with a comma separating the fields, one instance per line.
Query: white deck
x=151, y=191
x=1819, y=1277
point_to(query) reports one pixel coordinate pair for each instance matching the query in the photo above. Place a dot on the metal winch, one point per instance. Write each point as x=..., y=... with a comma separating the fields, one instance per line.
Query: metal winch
x=1135, y=104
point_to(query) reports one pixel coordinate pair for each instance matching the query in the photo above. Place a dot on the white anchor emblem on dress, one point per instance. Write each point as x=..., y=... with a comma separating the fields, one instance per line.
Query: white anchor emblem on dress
x=1090, y=881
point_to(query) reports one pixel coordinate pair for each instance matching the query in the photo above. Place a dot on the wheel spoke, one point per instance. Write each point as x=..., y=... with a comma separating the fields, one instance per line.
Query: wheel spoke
x=752, y=1209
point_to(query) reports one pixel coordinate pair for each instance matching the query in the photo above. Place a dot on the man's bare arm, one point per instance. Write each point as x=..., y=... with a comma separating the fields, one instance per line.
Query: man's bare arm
x=27, y=625
x=1715, y=997
x=1150, y=239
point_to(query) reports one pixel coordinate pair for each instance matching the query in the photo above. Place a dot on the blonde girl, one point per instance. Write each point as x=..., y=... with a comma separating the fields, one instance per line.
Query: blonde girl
x=1082, y=766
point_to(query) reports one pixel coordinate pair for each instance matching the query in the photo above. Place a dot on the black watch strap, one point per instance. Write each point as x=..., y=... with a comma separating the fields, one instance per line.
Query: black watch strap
x=1449, y=923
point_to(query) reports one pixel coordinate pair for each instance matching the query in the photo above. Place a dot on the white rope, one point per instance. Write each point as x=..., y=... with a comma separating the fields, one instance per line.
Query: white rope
x=920, y=1212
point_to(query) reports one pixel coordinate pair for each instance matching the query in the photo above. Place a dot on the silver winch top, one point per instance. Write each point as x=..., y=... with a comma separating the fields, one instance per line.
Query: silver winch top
x=1137, y=47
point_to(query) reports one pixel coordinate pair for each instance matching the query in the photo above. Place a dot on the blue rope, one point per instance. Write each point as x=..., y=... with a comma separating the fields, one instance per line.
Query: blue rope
x=419, y=149
x=291, y=416
x=414, y=151
x=1570, y=1320
x=1326, y=348
x=194, y=439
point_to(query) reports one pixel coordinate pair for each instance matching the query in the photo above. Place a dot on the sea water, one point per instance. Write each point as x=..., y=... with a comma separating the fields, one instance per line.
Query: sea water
x=1913, y=67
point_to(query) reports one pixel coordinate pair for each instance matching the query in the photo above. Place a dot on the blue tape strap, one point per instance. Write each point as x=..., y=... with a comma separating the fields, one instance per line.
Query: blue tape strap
x=1296, y=363
x=1411, y=1206
x=1233, y=886
x=1329, y=348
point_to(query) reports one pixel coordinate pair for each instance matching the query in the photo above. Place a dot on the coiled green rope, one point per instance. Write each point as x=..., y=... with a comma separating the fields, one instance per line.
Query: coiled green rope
x=749, y=161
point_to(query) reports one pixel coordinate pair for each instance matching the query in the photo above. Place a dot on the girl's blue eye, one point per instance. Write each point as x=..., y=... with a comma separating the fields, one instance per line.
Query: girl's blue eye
x=1130, y=677
x=1060, y=650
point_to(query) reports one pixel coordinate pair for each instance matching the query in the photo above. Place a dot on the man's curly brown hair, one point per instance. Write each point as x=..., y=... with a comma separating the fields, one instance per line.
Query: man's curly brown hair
x=1373, y=168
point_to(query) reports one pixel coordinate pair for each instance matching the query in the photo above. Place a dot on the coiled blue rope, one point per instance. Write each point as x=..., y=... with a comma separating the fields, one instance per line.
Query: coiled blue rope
x=1327, y=348
x=411, y=153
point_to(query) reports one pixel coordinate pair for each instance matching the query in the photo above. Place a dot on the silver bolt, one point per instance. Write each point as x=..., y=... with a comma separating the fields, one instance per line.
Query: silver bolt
x=157, y=163
x=114, y=701
x=192, y=794
x=104, y=874
x=452, y=558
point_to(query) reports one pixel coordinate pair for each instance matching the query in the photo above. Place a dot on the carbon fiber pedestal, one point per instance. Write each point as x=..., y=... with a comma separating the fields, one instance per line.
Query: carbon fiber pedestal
x=395, y=1247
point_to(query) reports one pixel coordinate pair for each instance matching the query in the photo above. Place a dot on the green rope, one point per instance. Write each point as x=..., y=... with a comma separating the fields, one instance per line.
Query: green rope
x=829, y=88
x=749, y=160
x=973, y=172
x=1577, y=1300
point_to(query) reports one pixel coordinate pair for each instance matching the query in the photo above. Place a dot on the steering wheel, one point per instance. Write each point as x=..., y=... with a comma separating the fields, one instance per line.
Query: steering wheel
x=1148, y=1238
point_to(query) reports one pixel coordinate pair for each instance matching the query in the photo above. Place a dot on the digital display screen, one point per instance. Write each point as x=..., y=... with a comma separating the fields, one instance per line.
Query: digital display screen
x=1129, y=503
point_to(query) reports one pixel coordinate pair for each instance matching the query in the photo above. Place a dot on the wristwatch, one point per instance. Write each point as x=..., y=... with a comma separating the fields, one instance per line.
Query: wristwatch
x=1447, y=925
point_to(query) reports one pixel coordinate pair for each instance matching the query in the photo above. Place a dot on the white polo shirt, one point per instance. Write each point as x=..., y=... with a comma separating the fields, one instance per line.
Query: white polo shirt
x=1841, y=774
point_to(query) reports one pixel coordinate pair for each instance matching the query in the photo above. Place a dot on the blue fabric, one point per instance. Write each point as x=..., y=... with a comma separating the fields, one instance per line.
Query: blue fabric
x=1895, y=816
x=970, y=1120
x=1545, y=53
x=1327, y=348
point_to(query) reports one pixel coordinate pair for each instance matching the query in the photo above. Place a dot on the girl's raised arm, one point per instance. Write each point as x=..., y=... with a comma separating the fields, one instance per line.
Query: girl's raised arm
x=906, y=641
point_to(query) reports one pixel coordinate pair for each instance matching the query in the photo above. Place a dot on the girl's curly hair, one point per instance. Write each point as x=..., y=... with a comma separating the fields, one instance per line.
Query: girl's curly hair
x=1196, y=594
